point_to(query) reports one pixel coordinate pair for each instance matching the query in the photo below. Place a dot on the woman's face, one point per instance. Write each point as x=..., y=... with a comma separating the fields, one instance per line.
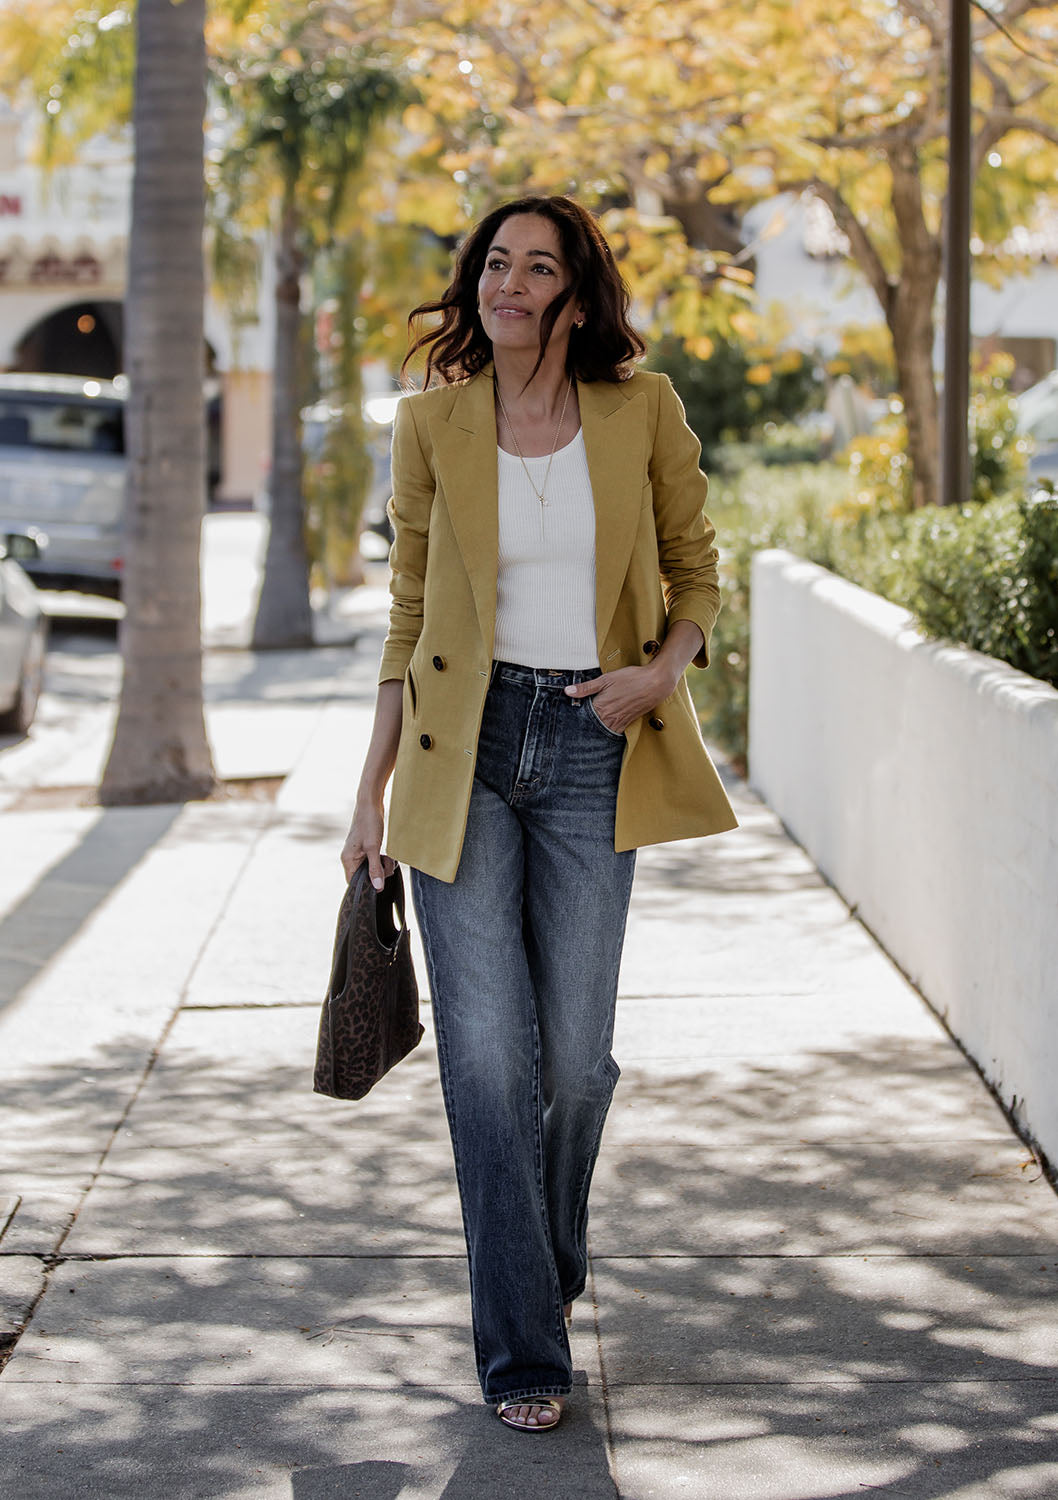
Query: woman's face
x=524, y=271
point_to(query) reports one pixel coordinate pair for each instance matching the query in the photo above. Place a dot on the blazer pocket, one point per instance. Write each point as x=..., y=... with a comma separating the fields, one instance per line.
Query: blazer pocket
x=413, y=694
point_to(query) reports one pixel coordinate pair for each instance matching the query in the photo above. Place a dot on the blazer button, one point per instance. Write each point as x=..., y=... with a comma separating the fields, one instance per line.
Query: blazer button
x=440, y=663
x=654, y=722
x=425, y=741
x=650, y=647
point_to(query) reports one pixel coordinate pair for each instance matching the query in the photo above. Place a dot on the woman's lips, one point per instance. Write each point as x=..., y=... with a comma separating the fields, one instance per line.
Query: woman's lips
x=509, y=312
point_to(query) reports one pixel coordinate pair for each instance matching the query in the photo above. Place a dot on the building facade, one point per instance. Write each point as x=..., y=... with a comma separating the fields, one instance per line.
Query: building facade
x=63, y=263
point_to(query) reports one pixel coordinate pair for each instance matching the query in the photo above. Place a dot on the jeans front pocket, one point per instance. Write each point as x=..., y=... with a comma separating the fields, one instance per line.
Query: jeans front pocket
x=615, y=734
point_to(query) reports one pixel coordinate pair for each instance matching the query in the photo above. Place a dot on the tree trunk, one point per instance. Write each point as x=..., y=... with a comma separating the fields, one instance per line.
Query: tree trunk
x=160, y=751
x=911, y=326
x=348, y=465
x=284, y=614
x=909, y=313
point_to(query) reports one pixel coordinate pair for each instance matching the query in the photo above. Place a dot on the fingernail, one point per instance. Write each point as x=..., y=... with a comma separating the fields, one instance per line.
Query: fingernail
x=377, y=882
x=571, y=690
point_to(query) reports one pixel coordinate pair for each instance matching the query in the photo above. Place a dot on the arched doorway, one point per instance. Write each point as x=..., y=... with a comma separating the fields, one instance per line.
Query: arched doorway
x=83, y=338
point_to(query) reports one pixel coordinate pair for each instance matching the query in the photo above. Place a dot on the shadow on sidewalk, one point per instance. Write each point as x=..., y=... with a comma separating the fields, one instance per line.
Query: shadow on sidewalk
x=57, y=907
x=378, y=1479
x=492, y=1464
x=258, y=1215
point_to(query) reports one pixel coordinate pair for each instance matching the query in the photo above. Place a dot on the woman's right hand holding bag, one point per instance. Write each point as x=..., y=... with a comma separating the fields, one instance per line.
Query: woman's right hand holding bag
x=364, y=841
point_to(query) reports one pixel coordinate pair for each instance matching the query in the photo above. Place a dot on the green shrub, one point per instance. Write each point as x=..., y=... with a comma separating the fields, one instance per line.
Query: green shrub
x=879, y=466
x=987, y=575
x=781, y=443
x=733, y=394
x=982, y=574
x=998, y=451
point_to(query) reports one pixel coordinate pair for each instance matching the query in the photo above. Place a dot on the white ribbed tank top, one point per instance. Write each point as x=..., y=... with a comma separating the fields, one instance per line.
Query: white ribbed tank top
x=545, y=587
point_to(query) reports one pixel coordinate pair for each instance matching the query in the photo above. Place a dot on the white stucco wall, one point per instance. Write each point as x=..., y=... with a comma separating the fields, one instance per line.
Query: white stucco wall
x=923, y=779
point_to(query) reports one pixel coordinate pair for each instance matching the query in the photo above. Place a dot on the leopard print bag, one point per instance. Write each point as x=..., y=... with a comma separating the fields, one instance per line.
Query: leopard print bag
x=370, y=1017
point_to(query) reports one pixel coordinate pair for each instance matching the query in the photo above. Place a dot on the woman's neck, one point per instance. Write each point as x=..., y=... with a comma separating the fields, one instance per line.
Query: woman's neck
x=545, y=393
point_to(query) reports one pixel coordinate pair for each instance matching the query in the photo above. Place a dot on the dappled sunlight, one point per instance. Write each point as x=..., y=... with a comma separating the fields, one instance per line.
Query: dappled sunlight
x=787, y=1155
x=266, y=1442
x=315, y=1321
x=225, y=1151
x=838, y=1440
x=758, y=857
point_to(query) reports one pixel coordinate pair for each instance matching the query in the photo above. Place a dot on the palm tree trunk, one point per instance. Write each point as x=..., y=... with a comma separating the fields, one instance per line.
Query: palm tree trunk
x=284, y=614
x=346, y=448
x=160, y=751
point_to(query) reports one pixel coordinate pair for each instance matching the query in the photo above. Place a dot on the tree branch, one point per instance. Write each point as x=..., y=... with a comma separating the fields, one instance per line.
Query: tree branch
x=875, y=140
x=861, y=246
x=1007, y=120
x=988, y=135
x=1013, y=10
x=1014, y=41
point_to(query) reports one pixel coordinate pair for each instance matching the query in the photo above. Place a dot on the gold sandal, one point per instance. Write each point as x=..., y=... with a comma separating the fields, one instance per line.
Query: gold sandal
x=505, y=1409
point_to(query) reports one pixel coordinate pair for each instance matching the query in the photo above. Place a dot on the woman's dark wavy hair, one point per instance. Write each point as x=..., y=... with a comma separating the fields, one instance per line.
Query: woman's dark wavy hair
x=606, y=348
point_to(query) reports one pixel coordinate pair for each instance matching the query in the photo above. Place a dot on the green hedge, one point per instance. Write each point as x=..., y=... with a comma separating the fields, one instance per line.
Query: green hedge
x=985, y=574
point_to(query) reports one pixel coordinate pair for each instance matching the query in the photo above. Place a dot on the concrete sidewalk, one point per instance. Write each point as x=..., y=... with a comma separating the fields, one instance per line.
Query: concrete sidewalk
x=822, y=1265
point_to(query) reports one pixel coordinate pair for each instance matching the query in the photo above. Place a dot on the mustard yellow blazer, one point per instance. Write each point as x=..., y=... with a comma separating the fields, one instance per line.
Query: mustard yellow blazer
x=655, y=563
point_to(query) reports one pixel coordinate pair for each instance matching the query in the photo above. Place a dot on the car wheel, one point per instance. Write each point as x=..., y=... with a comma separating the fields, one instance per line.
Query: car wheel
x=20, y=715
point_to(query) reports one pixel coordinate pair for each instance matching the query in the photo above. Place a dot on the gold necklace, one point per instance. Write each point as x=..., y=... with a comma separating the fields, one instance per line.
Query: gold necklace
x=539, y=493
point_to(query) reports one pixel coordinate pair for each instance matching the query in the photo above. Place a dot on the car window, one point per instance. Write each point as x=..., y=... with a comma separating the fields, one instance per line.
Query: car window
x=37, y=422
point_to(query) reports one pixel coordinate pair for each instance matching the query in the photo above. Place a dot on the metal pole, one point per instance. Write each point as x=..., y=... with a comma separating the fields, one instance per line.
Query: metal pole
x=955, y=440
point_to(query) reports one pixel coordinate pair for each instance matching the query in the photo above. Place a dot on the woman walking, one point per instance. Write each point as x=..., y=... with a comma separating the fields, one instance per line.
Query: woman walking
x=553, y=575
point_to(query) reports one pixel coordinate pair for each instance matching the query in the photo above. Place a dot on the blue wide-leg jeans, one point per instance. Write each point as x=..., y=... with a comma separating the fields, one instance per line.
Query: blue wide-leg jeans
x=523, y=950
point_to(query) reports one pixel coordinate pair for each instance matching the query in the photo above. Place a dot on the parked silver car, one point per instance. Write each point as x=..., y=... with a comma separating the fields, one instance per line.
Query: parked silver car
x=23, y=636
x=62, y=472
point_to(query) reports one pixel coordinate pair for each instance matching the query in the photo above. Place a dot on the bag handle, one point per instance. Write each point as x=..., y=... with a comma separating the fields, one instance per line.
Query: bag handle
x=382, y=905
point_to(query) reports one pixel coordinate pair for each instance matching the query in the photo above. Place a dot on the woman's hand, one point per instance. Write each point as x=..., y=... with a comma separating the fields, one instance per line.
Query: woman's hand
x=625, y=695
x=631, y=692
x=364, y=841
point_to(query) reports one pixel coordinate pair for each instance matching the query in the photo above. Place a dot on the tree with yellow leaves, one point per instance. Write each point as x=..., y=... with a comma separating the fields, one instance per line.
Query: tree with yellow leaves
x=680, y=115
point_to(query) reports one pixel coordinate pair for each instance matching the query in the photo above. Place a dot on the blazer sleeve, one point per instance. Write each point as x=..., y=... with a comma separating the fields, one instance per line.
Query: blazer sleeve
x=686, y=551
x=409, y=512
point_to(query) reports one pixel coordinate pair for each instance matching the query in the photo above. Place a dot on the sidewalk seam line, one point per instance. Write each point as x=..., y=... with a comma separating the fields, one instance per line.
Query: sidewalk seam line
x=611, y=1449
x=97, y=1257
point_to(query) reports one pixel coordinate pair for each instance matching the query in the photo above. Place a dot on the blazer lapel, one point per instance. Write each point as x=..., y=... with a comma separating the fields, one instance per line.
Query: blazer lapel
x=464, y=445
x=615, y=440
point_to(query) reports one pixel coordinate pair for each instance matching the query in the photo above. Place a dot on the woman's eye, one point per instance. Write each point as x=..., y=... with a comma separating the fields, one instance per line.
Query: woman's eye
x=548, y=269
x=495, y=265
